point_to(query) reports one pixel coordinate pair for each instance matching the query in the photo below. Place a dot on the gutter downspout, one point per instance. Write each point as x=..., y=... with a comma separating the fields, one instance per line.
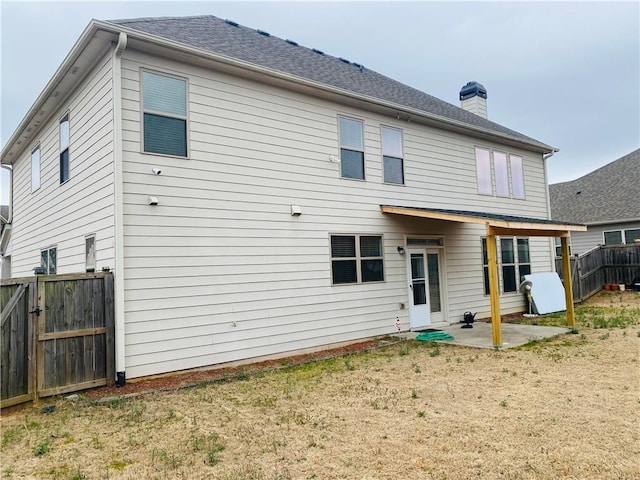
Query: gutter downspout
x=118, y=211
x=552, y=241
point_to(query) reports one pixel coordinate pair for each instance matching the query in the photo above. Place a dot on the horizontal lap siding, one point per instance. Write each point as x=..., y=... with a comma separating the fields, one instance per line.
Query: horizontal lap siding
x=62, y=215
x=584, y=241
x=220, y=271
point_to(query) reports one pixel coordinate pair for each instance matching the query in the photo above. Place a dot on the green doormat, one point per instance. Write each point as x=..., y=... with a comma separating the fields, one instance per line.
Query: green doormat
x=433, y=336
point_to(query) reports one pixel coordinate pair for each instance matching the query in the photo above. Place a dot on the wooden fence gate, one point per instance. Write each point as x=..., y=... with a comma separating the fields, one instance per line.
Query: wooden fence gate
x=57, y=335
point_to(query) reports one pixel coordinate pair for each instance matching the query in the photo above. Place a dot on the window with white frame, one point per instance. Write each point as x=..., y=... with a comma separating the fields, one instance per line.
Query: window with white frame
x=164, y=104
x=632, y=235
x=90, y=253
x=558, y=245
x=392, y=155
x=351, y=148
x=48, y=260
x=356, y=259
x=499, y=174
x=619, y=237
x=514, y=263
x=35, y=169
x=517, y=177
x=613, y=237
x=483, y=171
x=64, y=148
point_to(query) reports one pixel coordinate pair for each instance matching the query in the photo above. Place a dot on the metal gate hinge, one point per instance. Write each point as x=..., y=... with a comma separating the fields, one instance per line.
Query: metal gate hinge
x=36, y=311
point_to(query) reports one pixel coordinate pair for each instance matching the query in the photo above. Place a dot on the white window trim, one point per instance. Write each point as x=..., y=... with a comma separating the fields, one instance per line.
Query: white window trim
x=604, y=241
x=95, y=250
x=340, y=147
x=357, y=258
x=36, y=147
x=165, y=114
x=492, y=170
x=60, y=150
x=402, y=157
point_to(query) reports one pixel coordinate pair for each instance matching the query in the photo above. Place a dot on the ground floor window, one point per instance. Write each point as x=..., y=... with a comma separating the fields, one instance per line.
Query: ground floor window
x=48, y=260
x=558, y=245
x=356, y=259
x=514, y=263
x=618, y=237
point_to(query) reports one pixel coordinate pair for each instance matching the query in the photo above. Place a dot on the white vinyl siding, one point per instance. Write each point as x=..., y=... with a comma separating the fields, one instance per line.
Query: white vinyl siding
x=63, y=215
x=594, y=236
x=220, y=271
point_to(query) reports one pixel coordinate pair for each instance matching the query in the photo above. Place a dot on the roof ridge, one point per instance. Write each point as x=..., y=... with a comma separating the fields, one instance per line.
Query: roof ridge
x=153, y=19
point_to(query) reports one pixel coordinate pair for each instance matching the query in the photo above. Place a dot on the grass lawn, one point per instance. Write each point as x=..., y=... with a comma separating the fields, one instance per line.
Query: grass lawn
x=563, y=408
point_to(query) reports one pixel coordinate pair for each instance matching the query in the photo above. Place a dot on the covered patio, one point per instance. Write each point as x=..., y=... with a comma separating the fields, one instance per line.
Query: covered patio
x=503, y=225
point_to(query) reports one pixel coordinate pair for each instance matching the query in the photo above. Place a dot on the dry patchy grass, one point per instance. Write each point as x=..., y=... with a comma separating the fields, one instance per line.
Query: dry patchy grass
x=565, y=408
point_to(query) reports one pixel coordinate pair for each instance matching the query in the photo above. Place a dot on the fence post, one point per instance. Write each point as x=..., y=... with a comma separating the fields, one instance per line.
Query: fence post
x=109, y=323
x=579, y=277
x=32, y=318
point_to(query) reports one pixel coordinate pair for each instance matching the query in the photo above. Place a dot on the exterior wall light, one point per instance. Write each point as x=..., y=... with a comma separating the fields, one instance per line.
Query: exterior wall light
x=401, y=250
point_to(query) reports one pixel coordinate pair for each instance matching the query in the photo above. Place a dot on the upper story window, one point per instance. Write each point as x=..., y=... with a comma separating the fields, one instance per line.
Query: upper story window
x=517, y=177
x=356, y=259
x=35, y=169
x=64, y=148
x=483, y=171
x=499, y=174
x=164, y=104
x=351, y=148
x=392, y=156
x=48, y=260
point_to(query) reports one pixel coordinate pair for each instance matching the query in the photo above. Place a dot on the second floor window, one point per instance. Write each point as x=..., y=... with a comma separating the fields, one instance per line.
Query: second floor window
x=499, y=174
x=64, y=148
x=392, y=156
x=351, y=148
x=164, y=103
x=35, y=169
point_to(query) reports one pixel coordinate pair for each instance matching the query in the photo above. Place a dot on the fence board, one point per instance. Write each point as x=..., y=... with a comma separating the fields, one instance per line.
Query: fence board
x=606, y=264
x=67, y=347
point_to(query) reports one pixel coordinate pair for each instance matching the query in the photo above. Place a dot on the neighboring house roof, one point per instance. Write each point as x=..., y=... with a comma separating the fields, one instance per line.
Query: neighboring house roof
x=610, y=194
x=260, y=48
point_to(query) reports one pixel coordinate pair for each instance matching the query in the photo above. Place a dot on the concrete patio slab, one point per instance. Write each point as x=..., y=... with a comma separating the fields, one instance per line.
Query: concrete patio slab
x=513, y=335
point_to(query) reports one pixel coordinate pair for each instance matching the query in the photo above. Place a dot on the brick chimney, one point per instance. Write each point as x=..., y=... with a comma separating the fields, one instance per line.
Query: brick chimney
x=473, y=98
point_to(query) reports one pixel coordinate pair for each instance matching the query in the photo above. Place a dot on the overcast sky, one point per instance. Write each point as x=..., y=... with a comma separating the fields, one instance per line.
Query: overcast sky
x=567, y=74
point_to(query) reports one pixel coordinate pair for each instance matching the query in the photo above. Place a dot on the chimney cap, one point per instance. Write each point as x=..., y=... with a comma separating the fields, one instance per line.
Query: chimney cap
x=473, y=89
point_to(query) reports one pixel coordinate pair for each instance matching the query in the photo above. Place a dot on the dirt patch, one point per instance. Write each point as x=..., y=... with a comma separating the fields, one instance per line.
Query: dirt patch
x=566, y=408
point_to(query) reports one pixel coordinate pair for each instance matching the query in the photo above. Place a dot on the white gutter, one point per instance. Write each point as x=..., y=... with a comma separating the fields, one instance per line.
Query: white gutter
x=118, y=235
x=552, y=245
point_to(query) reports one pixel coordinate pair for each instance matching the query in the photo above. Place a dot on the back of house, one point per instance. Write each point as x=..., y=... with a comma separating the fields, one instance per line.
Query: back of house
x=255, y=197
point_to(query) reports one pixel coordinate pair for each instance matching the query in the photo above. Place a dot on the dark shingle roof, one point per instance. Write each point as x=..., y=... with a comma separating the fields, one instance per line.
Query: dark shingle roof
x=611, y=193
x=227, y=38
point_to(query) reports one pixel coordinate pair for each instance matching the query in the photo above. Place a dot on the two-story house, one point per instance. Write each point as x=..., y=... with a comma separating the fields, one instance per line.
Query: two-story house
x=255, y=197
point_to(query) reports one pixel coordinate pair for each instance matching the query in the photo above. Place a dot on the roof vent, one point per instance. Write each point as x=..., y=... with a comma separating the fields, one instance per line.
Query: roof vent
x=291, y=42
x=319, y=52
x=360, y=67
x=232, y=23
x=344, y=60
x=262, y=32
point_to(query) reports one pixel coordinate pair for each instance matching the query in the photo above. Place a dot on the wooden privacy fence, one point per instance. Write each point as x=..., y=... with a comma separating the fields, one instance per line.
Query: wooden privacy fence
x=606, y=264
x=57, y=335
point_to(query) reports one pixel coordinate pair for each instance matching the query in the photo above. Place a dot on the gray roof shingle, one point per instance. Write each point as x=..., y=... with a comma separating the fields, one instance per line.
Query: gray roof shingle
x=218, y=36
x=608, y=194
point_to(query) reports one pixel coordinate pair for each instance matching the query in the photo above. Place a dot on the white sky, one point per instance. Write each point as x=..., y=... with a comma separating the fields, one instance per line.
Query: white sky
x=567, y=74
